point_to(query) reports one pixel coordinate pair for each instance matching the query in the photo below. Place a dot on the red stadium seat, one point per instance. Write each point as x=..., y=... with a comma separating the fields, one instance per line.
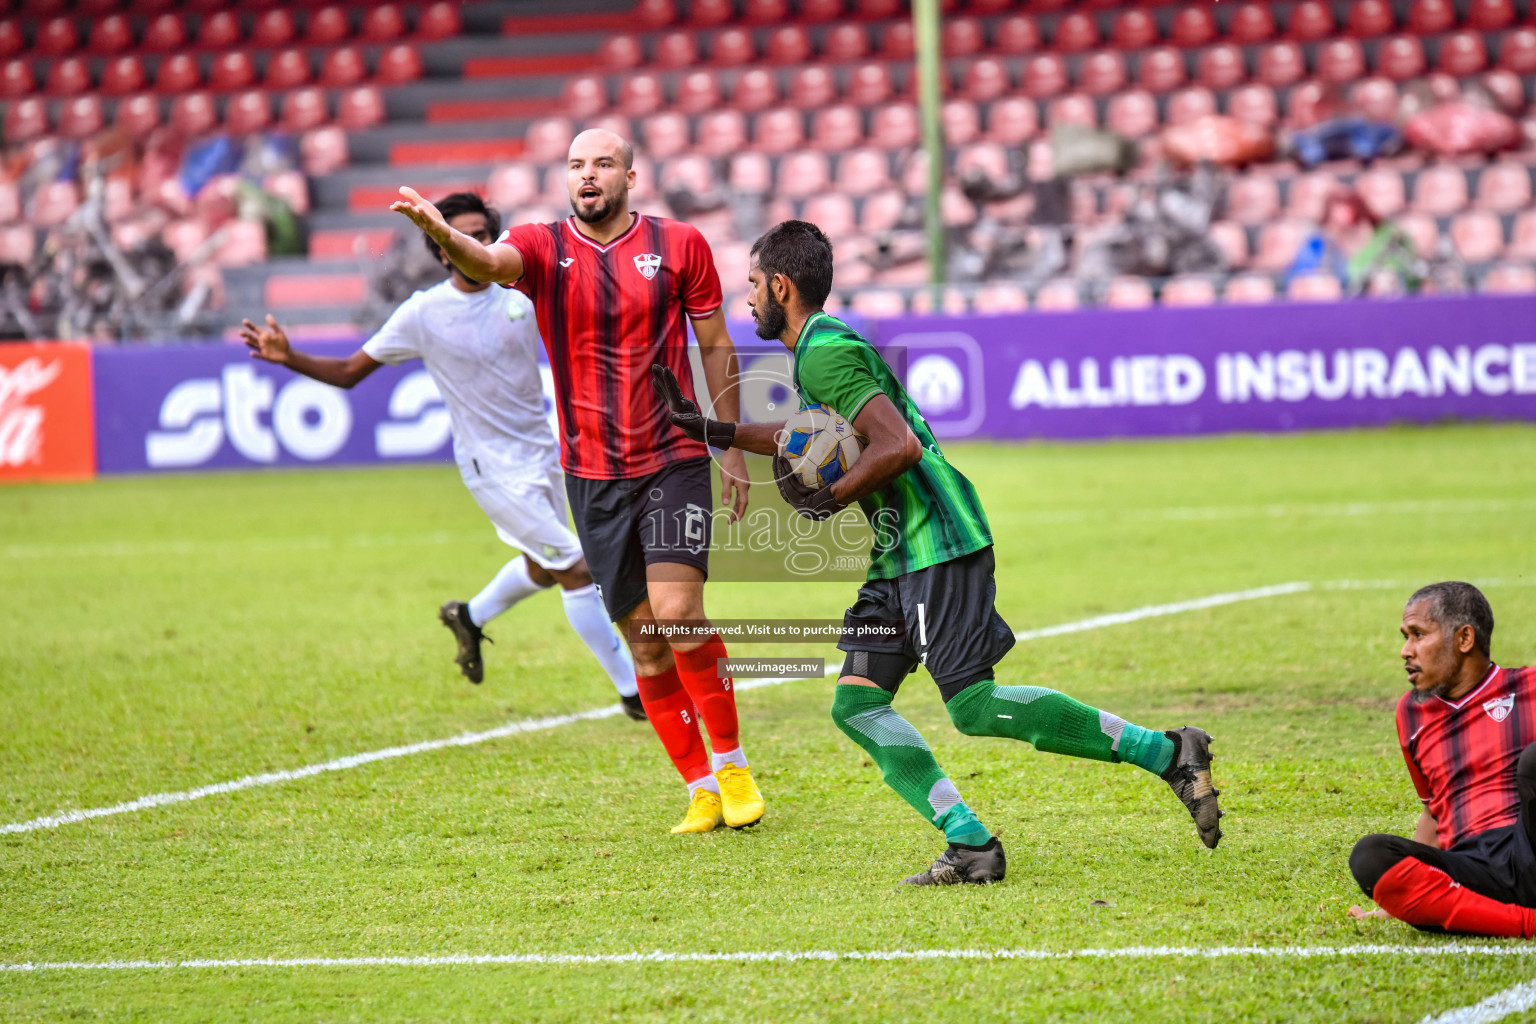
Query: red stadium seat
x=233, y=70
x=1253, y=199
x=327, y=25
x=1255, y=104
x=512, y=186
x=1428, y=17
x=961, y=121
x=1309, y=195
x=1190, y=104
x=1522, y=240
x=1491, y=15
x=1189, y=290
x=1504, y=187
x=812, y=86
x=1075, y=32
x=897, y=41
x=1308, y=104
x=732, y=47
x=620, y=53
x=1161, y=69
x=287, y=69
x=962, y=37
x=219, y=31
x=1310, y=20
x=16, y=79
x=69, y=77
x=302, y=110
x=1252, y=23
x=439, y=20
x=820, y=10
x=1232, y=240
x=803, y=174
x=999, y=297
x=111, y=34
x=756, y=89
x=54, y=203
x=1132, y=114
x=778, y=131
x=1400, y=58
x=861, y=172
x=1193, y=26
x=1101, y=73
x=363, y=107
x=846, y=43
x=243, y=244
x=1383, y=192
x=25, y=120
x=765, y=12
x=584, y=96
x=1220, y=67
x=1059, y=295
x=869, y=85
x=665, y=134
x=383, y=22
x=1250, y=290
x=640, y=95
x=1340, y=60
x=1314, y=287
x=705, y=13
x=1440, y=191
x=750, y=174
x=1281, y=64
x=194, y=114
x=11, y=39
x=988, y=159
x=1375, y=98
x=1510, y=280
x=1044, y=75
x=1518, y=51
x=882, y=211
x=165, y=32
x=895, y=126
x=323, y=151
x=399, y=63
x=1278, y=244
x=1128, y=293
x=788, y=44
x=55, y=36
x=697, y=92
x=675, y=50
x=1134, y=29
x=1505, y=88
x=1012, y=120
x=123, y=75
x=985, y=79
x=1072, y=109
x=138, y=115
x=273, y=28
x=1369, y=18
x=249, y=111
x=1478, y=236
x=1017, y=34
x=983, y=7
x=178, y=73
x=95, y=8
x=343, y=66
x=80, y=117
x=1463, y=53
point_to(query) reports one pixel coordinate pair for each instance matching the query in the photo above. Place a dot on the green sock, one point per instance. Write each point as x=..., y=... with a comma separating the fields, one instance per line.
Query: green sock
x=865, y=714
x=1057, y=724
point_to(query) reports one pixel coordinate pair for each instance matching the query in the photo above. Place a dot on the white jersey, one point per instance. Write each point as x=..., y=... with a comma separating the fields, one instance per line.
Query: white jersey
x=482, y=350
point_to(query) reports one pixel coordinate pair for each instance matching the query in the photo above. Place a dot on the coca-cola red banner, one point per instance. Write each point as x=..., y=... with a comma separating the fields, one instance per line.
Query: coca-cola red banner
x=47, y=417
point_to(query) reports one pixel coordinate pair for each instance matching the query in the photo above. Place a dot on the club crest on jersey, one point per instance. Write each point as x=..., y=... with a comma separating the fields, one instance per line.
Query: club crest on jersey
x=1499, y=708
x=648, y=263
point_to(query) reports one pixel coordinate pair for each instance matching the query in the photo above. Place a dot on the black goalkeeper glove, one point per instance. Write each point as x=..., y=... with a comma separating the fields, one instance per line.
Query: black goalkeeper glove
x=810, y=502
x=685, y=414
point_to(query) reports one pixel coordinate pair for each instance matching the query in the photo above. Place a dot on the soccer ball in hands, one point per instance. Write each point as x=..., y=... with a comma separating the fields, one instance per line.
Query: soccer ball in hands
x=820, y=445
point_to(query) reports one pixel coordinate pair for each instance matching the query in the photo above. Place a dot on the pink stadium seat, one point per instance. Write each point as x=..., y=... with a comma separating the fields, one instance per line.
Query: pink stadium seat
x=178, y=73
x=1522, y=240
x=69, y=76
x=1220, y=67
x=999, y=297
x=879, y=302
x=703, y=14
x=675, y=50
x=1134, y=29
x=894, y=126
x=1504, y=187
x=111, y=34
x=323, y=151
x=756, y=89
x=1192, y=26
x=1281, y=64
x=1161, y=69
x=287, y=69
x=1370, y=18
x=10, y=210
x=1383, y=192
x=788, y=44
x=1314, y=287
x=1188, y=105
x=1252, y=23
x=732, y=47
x=1189, y=290
x=665, y=134
x=962, y=37
x=1232, y=240
x=1506, y=89
x=399, y=63
x=1491, y=15
x=193, y=114
x=765, y=12
x=184, y=237
x=244, y=244
x=897, y=42
x=1132, y=114
x=1428, y=17
x=986, y=79
x=1075, y=32
x=803, y=174
x=55, y=36
x=586, y=95
x=837, y=128
x=512, y=186
x=1510, y=280
x=80, y=117
x=25, y=120
x=273, y=28
x=812, y=86
x=249, y=111
x=383, y=22
x=951, y=301
x=1309, y=194
x=1017, y=34
x=1250, y=290
x=1462, y=53
x=343, y=66
x=846, y=42
x=778, y=131
x=1340, y=60
x=1421, y=231
x=1012, y=120
x=117, y=203
x=327, y=25
x=53, y=203
x=987, y=158
x=1518, y=51
x=11, y=40
x=1253, y=199
x=863, y=171
x=1308, y=104
x=882, y=211
x=1044, y=75
x=820, y=10
x=1310, y=20
x=1074, y=108
x=233, y=70
x=1059, y=295
x=1376, y=98
x=1254, y=103
x=962, y=122
x=1478, y=236
x=1400, y=58
x=831, y=212
x=1128, y=292
x=138, y=115
x=698, y=92
x=301, y=110
x=722, y=132
x=438, y=20
x=1101, y=73
x=1440, y=191
x=363, y=107
x=547, y=140
x=123, y=75
x=219, y=30
x=751, y=174
x=640, y=95
x=869, y=85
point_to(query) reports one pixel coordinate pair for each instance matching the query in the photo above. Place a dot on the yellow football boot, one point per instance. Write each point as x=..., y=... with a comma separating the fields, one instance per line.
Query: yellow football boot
x=703, y=814
x=742, y=804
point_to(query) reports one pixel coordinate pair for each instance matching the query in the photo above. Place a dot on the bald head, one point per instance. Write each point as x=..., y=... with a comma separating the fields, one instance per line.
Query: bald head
x=600, y=172
x=601, y=142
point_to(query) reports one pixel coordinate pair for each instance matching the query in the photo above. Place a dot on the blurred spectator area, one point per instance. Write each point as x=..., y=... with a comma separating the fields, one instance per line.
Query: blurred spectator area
x=745, y=112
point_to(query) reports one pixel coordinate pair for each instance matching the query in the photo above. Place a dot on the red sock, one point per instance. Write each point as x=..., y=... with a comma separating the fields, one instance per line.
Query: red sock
x=715, y=699
x=1415, y=892
x=672, y=715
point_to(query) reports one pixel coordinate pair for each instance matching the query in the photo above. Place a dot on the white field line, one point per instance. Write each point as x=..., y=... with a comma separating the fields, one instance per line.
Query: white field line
x=555, y=721
x=1515, y=999
x=797, y=956
x=126, y=548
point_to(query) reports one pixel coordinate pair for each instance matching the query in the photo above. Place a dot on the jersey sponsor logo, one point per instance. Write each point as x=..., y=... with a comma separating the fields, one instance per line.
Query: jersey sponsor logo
x=568, y=261
x=648, y=263
x=1499, y=708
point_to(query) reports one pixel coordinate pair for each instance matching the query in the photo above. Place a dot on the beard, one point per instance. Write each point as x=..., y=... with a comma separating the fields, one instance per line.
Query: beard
x=596, y=214
x=770, y=316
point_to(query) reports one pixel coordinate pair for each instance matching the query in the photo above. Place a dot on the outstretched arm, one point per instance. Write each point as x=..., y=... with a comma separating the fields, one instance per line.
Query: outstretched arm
x=496, y=264
x=270, y=343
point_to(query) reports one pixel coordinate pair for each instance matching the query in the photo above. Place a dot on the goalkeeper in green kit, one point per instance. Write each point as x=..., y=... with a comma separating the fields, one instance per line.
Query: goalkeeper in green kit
x=931, y=569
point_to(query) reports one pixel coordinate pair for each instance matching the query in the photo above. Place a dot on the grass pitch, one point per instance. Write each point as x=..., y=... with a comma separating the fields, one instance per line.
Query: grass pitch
x=158, y=635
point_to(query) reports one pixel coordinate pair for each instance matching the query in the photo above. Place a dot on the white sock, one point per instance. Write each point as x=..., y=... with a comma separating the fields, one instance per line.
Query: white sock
x=736, y=757
x=509, y=586
x=584, y=608
x=703, y=782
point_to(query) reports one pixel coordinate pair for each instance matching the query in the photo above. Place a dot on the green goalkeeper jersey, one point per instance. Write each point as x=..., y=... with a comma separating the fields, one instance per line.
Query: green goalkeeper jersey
x=930, y=513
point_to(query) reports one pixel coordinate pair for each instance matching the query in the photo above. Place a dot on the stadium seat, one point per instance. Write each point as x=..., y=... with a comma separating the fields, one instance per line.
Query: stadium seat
x=178, y=73
x=1252, y=23
x=875, y=10
x=69, y=77
x=1255, y=104
x=985, y=79
x=1421, y=231
x=1012, y=120
x=952, y=302
x=382, y=23
x=863, y=171
x=80, y=117
x=328, y=25
x=242, y=244
x=1308, y=195
x=1220, y=67
x=287, y=69
x=165, y=32
x=989, y=159
x=722, y=132
x=665, y=134
x=438, y=20
x=1073, y=108
x=675, y=50
x=1190, y=104
x=219, y=31
x=16, y=79
x=1250, y=290
x=122, y=75
x=732, y=47
x=812, y=86
x=750, y=174
x=233, y=70
x=1129, y=292
x=398, y=64
x=756, y=89
x=1370, y=18
x=788, y=44
x=1310, y=20
x=878, y=303
x=1440, y=191
x=999, y=297
x=1517, y=52
x=25, y=120
x=273, y=28
x=55, y=36
x=1375, y=98
x=1189, y=290
x=1522, y=236
x=1478, y=236
x=620, y=53
x=1059, y=295
x=1428, y=17
x=778, y=131
x=1504, y=280
x=1383, y=191
x=1308, y=103
x=640, y=95
x=249, y=111
x=897, y=41
x=765, y=12
x=847, y=42
x=1132, y=114
x=1232, y=239
x=1281, y=64
x=1462, y=53
x=882, y=211
x=1099, y=74
x=343, y=66
x=1504, y=187
x=12, y=41
x=53, y=203
x=1491, y=15
x=697, y=92
x=815, y=11
x=586, y=95
x=117, y=201
x=111, y=34
x=962, y=122
x=323, y=151
x=1314, y=287
x=1506, y=89
x=1192, y=26
x=1075, y=33
x=894, y=126
x=1161, y=70
x=701, y=14
x=869, y=85
x=1340, y=60
x=831, y=212
x=1134, y=29
x=1044, y=75
x=1017, y=34
x=512, y=187
x=1400, y=58
x=301, y=110
x=1253, y=199
x=961, y=37
x=184, y=237
x=363, y=107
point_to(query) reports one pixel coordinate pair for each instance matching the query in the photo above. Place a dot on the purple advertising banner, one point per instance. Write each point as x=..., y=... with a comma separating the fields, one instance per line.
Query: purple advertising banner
x=1128, y=373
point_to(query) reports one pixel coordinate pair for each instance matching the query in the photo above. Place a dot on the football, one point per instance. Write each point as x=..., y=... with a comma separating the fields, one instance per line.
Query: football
x=819, y=444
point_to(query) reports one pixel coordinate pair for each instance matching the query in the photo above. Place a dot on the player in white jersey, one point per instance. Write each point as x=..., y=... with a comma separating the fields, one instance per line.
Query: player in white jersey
x=480, y=345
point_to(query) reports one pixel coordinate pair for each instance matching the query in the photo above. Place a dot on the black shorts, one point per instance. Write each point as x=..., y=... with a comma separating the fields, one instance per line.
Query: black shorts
x=1498, y=863
x=952, y=627
x=625, y=525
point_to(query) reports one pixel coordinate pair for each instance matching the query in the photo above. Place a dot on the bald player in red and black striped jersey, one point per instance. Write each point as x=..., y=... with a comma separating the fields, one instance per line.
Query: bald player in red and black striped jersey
x=1468, y=733
x=613, y=292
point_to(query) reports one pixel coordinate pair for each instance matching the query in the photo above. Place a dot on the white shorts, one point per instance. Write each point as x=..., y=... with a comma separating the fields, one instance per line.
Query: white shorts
x=529, y=514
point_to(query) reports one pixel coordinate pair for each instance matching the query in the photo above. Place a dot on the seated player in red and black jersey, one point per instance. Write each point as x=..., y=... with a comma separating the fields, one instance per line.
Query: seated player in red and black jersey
x=1468, y=733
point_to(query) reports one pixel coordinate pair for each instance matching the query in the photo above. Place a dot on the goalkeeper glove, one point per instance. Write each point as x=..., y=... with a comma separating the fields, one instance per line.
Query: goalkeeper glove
x=810, y=502
x=685, y=414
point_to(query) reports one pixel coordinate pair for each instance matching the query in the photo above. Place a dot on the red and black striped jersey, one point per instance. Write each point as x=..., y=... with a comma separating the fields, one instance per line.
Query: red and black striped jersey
x=1462, y=755
x=607, y=312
